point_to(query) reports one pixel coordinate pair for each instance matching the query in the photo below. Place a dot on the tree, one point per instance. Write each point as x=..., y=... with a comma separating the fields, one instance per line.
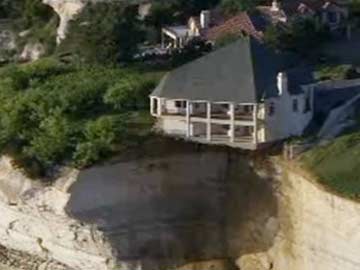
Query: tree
x=103, y=33
x=131, y=93
x=10, y=8
x=354, y=7
x=161, y=14
x=232, y=7
x=52, y=114
x=35, y=12
x=52, y=142
x=99, y=138
x=301, y=36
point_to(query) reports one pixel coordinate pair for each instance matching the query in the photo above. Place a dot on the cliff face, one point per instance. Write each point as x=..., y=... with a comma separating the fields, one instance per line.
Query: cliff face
x=318, y=230
x=193, y=209
x=322, y=232
x=165, y=212
x=33, y=221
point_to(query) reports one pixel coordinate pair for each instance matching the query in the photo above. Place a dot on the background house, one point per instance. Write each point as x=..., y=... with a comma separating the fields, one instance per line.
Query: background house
x=331, y=13
x=213, y=25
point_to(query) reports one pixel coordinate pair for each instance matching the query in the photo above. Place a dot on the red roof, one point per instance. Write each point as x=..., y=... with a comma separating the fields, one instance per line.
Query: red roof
x=238, y=24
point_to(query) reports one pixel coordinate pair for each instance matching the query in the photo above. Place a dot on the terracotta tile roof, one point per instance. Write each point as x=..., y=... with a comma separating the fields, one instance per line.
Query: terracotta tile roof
x=241, y=23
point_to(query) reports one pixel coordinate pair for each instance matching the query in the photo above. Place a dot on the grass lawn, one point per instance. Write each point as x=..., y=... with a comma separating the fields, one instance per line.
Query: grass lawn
x=337, y=165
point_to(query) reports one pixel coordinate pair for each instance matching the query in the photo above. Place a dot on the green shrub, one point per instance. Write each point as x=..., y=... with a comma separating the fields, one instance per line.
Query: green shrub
x=52, y=140
x=58, y=114
x=231, y=7
x=337, y=165
x=336, y=72
x=129, y=94
x=103, y=33
x=99, y=137
x=304, y=36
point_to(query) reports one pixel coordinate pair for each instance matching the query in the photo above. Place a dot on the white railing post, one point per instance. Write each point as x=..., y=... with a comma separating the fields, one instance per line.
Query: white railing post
x=255, y=119
x=152, y=106
x=208, y=121
x=188, y=133
x=160, y=102
x=232, y=122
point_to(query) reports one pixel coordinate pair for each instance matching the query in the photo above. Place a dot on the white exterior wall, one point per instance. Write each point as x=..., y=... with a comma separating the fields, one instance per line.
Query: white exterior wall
x=172, y=126
x=178, y=127
x=285, y=122
x=170, y=107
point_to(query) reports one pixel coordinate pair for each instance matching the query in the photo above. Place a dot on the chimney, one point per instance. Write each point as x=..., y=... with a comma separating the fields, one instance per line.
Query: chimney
x=205, y=18
x=275, y=6
x=282, y=82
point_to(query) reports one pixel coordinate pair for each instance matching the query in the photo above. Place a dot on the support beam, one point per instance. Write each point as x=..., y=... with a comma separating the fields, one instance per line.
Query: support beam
x=232, y=122
x=160, y=106
x=208, y=121
x=255, y=119
x=162, y=39
x=188, y=132
x=152, y=105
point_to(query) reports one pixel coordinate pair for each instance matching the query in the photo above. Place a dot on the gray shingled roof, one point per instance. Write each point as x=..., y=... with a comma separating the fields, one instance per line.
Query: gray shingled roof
x=298, y=77
x=244, y=72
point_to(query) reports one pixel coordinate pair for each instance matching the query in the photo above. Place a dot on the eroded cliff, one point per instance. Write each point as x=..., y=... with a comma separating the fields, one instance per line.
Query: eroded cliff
x=193, y=209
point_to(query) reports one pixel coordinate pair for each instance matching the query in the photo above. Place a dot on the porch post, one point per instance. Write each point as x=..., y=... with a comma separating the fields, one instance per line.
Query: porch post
x=162, y=39
x=208, y=121
x=232, y=122
x=255, y=119
x=160, y=102
x=188, y=133
x=151, y=105
x=348, y=31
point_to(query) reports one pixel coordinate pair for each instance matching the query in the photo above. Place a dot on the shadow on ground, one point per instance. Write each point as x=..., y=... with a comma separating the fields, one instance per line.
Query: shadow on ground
x=170, y=210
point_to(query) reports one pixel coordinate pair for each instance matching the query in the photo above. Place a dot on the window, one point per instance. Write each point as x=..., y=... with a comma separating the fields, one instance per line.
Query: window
x=155, y=105
x=180, y=104
x=307, y=106
x=332, y=17
x=271, y=108
x=295, y=105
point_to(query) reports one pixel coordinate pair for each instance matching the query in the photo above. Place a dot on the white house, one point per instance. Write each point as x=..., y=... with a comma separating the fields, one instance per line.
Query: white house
x=241, y=95
x=178, y=36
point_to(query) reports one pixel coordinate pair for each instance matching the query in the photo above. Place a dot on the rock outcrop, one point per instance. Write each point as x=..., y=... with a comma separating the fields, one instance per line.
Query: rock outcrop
x=7, y=40
x=67, y=10
x=32, y=52
x=33, y=220
x=318, y=230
